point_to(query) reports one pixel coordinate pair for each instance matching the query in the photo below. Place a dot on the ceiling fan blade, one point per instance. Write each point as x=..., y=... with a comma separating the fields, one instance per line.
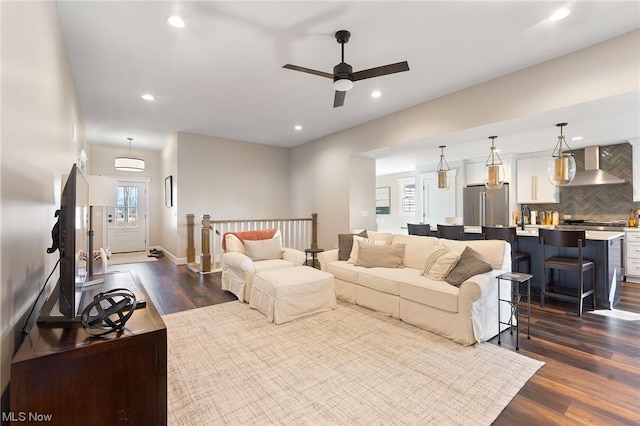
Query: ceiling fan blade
x=379, y=71
x=338, y=99
x=308, y=71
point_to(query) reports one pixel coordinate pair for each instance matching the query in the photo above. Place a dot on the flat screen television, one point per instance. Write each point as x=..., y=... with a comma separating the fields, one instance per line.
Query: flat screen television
x=73, y=242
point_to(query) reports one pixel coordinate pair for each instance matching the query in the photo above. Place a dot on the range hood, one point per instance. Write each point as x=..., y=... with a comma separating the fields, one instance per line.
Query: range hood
x=592, y=175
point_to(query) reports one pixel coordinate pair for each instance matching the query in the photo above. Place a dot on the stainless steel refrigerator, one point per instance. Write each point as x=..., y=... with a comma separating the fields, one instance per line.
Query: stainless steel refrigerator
x=482, y=206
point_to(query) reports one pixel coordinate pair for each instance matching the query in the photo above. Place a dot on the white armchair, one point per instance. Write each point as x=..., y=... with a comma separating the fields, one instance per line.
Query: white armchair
x=245, y=257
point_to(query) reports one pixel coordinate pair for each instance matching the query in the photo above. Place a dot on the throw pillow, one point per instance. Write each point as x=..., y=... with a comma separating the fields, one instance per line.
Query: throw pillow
x=380, y=236
x=439, y=262
x=263, y=249
x=345, y=244
x=384, y=256
x=470, y=264
x=353, y=257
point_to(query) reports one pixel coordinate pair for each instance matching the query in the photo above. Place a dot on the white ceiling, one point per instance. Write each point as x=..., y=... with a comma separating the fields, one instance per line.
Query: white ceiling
x=222, y=74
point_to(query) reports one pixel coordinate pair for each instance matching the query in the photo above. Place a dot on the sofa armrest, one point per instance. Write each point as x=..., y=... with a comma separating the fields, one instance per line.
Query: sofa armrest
x=483, y=309
x=327, y=256
x=294, y=256
x=238, y=262
x=477, y=287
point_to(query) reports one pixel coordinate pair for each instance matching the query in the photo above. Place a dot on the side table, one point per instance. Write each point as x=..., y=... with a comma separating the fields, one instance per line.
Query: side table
x=516, y=280
x=314, y=256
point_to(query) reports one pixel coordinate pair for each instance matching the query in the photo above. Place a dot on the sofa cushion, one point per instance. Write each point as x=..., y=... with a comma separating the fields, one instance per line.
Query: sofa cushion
x=439, y=262
x=416, y=248
x=437, y=294
x=353, y=257
x=345, y=244
x=470, y=264
x=384, y=256
x=265, y=265
x=385, y=280
x=263, y=249
x=344, y=271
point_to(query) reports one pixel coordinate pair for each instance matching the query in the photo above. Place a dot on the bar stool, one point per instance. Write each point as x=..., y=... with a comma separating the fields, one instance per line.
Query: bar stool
x=422, y=229
x=451, y=232
x=566, y=239
x=509, y=235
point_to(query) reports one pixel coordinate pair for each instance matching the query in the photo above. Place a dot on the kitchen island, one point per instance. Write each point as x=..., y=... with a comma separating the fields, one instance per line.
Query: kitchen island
x=604, y=248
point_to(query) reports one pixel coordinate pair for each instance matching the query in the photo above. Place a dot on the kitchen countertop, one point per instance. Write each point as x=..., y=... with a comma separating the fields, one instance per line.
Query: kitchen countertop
x=532, y=231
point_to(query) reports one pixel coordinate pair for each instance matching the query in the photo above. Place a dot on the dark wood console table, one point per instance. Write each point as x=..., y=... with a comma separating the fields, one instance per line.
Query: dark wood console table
x=61, y=371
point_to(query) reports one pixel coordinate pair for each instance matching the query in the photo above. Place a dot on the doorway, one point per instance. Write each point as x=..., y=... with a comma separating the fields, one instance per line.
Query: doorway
x=127, y=225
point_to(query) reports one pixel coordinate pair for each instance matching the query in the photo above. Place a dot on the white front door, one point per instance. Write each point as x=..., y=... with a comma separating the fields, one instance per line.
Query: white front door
x=127, y=221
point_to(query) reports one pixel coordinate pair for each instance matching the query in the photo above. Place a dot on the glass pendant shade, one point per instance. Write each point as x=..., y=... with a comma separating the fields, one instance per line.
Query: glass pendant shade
x=494, y=178
x=442, y=172
x=562, y=166
x=129, y=164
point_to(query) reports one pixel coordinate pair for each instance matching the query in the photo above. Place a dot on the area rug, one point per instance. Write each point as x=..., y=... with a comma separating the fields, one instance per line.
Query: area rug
x=349, y=366
x=134, y=257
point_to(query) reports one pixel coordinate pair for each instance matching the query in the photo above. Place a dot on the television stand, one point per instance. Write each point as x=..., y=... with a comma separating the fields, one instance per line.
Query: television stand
x=122, y=377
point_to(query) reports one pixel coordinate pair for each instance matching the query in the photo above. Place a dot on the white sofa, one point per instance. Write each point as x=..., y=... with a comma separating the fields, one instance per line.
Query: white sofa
x=239, y=265
x=465, y=314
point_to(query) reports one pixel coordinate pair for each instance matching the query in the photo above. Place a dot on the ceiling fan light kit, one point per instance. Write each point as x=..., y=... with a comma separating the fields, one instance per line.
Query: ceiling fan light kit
x=343, y=75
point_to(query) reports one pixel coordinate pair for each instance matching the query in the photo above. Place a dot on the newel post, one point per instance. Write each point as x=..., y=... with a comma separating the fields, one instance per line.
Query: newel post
x=314, y=230
x=191, y=249
x=205, y=256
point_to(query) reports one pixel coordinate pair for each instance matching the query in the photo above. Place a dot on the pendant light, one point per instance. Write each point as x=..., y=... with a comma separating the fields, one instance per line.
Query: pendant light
x=442, y=172
x=129, y=164
x=562, y=167
x=495, y=170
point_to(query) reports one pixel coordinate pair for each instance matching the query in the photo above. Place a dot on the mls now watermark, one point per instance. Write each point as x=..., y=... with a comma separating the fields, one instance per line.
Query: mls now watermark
x=25, y=416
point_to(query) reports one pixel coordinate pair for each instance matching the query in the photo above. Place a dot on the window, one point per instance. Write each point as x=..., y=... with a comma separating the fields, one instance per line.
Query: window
x=407, y=196
x=127, y=207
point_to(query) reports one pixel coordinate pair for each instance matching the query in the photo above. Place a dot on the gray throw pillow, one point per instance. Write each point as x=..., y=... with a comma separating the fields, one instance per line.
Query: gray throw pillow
x=345, y=244
x=470, y=264
x=383, y=256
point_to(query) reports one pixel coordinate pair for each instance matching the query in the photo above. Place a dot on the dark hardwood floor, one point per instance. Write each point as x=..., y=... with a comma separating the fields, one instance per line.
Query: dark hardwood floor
x=592, y=364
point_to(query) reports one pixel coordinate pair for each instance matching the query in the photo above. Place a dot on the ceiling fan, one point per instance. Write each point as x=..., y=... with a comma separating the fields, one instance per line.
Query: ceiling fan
x=343, y=75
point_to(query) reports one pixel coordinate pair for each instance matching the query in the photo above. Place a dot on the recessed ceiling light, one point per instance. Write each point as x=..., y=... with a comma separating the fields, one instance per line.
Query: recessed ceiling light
x=559, y=14
x=376, y=94
x=576, y=138
x=298, y=127
x=176, y=21
x=148, y=97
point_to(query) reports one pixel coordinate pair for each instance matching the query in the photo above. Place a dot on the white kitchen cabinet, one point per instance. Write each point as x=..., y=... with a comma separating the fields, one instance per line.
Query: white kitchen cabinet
x=632, y=258
x=533, y=184
x=476, y=173
x=635, y=144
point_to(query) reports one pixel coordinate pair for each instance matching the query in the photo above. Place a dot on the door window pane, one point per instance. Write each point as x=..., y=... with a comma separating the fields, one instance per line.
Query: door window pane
x=127, y=207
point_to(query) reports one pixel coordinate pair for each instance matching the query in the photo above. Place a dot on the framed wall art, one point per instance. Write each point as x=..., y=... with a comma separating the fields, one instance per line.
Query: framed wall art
x=168, y=191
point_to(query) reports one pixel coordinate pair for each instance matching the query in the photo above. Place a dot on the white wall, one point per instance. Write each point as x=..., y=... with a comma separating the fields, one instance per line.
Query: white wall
x=320, y=169
x=228, y=180
x=169, y=215
x=39, y=110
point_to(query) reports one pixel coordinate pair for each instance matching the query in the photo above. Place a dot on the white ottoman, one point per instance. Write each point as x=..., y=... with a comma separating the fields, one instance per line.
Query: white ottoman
x=286, y=294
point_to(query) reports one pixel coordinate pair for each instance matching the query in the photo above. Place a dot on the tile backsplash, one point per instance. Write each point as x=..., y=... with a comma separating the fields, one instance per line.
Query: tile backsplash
x=600, y=202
